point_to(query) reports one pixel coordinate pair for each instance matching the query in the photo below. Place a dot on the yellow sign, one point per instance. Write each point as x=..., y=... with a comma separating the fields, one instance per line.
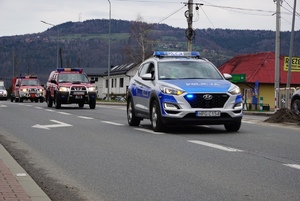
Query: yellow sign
x=295, y=67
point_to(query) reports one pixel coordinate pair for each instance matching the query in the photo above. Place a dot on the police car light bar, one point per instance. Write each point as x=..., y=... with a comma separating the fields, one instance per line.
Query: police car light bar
x=175, y=54
x=69, y=70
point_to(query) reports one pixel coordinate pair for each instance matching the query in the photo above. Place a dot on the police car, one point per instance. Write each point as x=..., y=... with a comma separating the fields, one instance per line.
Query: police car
x=183, y=88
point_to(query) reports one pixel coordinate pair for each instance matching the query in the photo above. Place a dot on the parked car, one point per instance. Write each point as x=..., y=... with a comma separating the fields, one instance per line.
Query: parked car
x=69, y=86
x=295, y=102
x=174, y=88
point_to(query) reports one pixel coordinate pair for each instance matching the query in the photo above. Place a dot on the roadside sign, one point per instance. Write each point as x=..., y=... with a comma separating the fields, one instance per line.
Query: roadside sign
x=295, y=65
x=238, y=78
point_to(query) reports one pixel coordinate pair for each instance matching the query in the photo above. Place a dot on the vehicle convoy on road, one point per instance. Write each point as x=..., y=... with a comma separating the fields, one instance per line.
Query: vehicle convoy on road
x=295, y=102
x=183, y=88
x=27, y=88
x=3, y=92
x=68, y=86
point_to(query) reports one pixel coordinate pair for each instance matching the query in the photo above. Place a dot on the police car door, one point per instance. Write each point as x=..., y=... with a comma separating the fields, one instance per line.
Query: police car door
x=144, y=88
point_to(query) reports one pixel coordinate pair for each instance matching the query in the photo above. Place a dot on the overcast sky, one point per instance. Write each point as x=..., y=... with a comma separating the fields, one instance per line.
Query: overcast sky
x=18, y=17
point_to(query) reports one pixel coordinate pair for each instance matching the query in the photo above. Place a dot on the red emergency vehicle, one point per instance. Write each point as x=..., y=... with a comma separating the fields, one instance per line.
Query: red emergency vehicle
x=27, y=88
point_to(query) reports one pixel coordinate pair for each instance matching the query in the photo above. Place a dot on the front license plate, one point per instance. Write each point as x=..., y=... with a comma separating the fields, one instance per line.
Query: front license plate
x=208, y=113
x=78, y=97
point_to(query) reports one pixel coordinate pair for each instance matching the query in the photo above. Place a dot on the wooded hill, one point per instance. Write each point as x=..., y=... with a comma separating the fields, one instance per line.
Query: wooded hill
x=85, y=45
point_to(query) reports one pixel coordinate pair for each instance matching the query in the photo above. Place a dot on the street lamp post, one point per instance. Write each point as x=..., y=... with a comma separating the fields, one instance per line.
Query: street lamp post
x=57, y=51
x=108, y=61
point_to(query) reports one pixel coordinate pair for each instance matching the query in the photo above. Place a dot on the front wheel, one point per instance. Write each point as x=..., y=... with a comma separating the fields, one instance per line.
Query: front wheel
x=57, y=102
x=233, y=127
x=131, y=118
x=92, y=104
x=295, y=106
x=49, y=100
x=157, y=124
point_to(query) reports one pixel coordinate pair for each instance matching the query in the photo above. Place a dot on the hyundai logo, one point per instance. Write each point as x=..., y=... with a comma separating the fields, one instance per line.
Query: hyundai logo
x=207, y=97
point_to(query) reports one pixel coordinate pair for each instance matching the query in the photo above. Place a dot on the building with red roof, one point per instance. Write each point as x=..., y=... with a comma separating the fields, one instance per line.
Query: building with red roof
x=257, y=77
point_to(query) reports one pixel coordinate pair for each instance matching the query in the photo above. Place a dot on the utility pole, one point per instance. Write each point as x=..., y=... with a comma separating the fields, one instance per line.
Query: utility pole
x=287, y=96
x=190, y=31
x=277, y=55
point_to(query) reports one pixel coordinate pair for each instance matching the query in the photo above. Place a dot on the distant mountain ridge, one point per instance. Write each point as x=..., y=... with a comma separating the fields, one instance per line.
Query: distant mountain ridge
x=85, y=45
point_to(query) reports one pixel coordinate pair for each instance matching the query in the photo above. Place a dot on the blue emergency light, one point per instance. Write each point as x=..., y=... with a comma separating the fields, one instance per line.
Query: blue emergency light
x=175, y=54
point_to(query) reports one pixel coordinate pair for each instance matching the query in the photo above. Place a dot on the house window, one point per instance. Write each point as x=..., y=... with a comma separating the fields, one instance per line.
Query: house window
x=121, y=82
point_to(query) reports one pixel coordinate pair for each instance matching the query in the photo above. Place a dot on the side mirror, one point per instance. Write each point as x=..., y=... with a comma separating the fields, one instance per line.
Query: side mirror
x=53, y=81
x=227, y=76
x=147, y=76
x=92, y=81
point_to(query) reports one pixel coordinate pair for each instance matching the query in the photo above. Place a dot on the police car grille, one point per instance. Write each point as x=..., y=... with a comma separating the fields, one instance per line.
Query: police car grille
x=32, y=90
x=78, y=88
x=217, y=101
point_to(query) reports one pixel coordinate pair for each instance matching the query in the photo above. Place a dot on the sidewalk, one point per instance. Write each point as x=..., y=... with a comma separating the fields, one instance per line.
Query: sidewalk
x=15, y=183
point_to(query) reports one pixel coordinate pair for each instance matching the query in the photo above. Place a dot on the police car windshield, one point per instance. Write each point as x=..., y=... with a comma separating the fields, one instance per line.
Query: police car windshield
x=73, y=78
x=187, y=70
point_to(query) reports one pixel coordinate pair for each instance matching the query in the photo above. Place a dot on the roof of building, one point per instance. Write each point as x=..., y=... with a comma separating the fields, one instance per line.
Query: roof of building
x=259, y=67
x=115, y=70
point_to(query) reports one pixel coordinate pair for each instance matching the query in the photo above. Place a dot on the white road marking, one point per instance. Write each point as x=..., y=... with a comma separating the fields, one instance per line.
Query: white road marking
x=83, y=117
x=28, y=105
x=47, y=127
x=65, y=113
x=149, y=131
x=293, y=166
x=38, y=107
x=3, y=105
x=216, y=146
x=113, y=123
x=49, y=110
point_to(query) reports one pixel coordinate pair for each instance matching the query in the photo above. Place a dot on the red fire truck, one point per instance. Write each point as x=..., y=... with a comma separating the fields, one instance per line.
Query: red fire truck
x=27, y=88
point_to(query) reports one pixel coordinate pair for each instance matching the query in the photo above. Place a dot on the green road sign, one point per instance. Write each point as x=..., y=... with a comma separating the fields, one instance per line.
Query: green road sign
x=238, y=78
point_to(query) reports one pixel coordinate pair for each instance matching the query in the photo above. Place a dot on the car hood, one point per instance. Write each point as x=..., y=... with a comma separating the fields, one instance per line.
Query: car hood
x=199, y=85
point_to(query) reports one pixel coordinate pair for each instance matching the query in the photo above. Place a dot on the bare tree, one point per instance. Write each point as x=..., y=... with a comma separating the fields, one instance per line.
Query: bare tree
x=140, y=43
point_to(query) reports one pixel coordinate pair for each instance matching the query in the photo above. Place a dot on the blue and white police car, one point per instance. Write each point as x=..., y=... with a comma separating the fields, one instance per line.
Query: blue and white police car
x=172, y=88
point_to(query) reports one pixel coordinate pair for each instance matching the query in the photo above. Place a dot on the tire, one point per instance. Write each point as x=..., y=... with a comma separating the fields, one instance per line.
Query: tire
x=57, y=102
x=157, y=124
x=49, y=100
x=131, y=118
x=17, y=100
x=21, y=100
x=80, y=105
x=295, y=106
x=11, y=99
x=92, y=104
x=233, y=127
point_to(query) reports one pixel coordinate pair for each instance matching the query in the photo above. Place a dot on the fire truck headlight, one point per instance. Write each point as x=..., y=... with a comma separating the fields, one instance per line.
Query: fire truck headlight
x=65, y=89
x=24, y=90
x=92, y=89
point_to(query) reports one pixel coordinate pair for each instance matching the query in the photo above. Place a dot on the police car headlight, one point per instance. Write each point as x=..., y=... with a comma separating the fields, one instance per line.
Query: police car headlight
x=235, y=90
x=172, y=91
x=23, y=90
x=5, y=92
x=91, y=89
x=40, y=90
x=64, y=89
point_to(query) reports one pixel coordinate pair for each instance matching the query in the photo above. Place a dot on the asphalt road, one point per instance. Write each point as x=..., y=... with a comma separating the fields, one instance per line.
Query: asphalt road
x=83, y=154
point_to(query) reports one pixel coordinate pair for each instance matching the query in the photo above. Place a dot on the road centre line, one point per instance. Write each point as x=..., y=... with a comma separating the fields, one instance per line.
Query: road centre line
x=113, y=123
x=296, y=166
x=216, y=146
x=149, y=131
x=65, y=113
x=49, y=110
x=83, y=117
